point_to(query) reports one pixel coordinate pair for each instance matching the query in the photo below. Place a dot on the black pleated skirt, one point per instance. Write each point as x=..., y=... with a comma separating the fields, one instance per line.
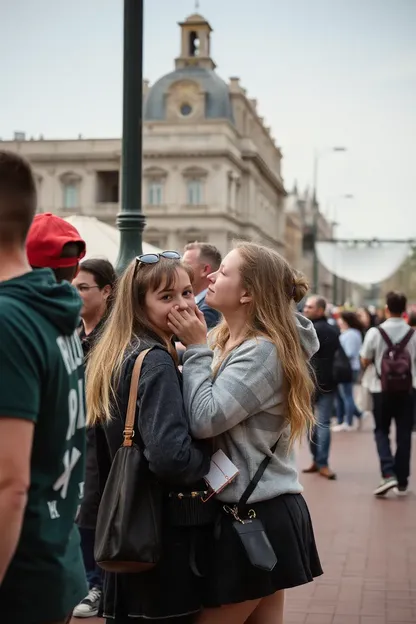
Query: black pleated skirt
x=288, y=525
x=207, y=567
x=173, y=589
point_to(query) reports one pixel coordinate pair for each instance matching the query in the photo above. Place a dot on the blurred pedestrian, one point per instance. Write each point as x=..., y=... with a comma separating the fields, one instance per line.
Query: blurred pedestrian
x=351, y=341
x=325, y=391
x=392, y=391
x=95, y=283
x=55, y=244
x=203, y=259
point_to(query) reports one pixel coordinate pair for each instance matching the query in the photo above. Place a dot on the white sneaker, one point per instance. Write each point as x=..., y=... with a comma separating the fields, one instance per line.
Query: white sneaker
x=350, y=428
x=401, y=491
x=90, y=605
x=385, y=486
x=337, y=428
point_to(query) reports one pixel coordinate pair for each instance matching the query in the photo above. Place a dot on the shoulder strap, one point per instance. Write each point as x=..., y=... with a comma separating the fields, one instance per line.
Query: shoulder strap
x=385, y=337
x=255, y=480
x=403, y=344
x=131, y=408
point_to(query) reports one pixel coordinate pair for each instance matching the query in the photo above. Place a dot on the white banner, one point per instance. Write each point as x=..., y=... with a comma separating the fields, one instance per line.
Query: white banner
x=362, y=263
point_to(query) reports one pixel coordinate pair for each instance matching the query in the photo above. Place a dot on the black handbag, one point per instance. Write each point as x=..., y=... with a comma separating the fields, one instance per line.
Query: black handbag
x=250, y=530
x=128, y=536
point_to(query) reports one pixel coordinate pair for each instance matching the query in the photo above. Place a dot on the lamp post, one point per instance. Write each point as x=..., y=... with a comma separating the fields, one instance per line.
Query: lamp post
x=130, y=220
x=317, y=156
x=334, y=225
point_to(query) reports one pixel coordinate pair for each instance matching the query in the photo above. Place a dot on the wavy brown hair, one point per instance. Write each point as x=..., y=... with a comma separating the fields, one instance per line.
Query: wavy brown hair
x=127, y=324
x=273, y=286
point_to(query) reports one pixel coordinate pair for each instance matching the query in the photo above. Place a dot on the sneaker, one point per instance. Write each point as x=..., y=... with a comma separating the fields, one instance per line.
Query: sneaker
x=389, y=483
x=350, y=428
x=401, y=490
x=90, y=605
x=337, y=428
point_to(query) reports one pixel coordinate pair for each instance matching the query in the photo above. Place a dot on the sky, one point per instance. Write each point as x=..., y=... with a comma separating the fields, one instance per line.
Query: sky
x=325, y=73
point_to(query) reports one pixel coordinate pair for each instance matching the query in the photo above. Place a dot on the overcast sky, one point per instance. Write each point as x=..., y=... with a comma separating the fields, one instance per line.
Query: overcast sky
x=325, y=73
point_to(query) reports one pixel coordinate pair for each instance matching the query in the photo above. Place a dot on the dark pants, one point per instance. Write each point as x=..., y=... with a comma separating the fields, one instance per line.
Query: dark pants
x=400, y=408
x=414, y=409
x=93, y=571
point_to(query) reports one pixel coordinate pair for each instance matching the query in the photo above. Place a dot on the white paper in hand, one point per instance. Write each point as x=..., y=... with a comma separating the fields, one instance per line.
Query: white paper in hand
x=222, y=471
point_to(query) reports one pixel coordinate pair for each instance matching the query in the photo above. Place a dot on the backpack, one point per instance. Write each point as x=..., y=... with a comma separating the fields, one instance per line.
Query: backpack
x=341, y=371
x=396, y=365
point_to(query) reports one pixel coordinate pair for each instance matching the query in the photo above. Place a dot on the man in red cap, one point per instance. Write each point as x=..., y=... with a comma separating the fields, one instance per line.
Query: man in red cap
x=55, y=244
x=42, y=409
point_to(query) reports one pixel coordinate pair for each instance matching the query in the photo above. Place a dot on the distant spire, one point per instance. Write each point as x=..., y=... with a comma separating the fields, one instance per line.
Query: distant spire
x=196, y=5
x=295, y=188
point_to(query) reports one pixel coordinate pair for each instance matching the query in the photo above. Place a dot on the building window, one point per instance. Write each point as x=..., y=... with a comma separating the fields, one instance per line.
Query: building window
x=71, y=195
x=107, y=187
x=186, y=109
x=194, y=192
x=155, y=193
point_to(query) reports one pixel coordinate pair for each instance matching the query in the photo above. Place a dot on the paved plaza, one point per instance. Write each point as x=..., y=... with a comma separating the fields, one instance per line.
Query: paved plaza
x=367, y=546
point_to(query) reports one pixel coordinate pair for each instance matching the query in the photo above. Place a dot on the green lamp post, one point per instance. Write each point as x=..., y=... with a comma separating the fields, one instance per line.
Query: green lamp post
x=130, y=220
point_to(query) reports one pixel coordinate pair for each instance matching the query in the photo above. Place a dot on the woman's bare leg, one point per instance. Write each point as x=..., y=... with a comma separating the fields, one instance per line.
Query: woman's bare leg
x=229, y=614
x=269, y=610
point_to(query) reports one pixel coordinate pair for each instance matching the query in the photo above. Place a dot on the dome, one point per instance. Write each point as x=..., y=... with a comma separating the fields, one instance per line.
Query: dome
x=195, y=19
x=215, y=90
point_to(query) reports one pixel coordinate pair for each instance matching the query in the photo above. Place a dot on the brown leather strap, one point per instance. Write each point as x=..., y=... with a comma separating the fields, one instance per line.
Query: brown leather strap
x=131, y=408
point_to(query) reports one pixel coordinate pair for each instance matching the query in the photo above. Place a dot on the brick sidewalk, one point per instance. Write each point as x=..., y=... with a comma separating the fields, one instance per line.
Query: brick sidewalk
x=367, y=546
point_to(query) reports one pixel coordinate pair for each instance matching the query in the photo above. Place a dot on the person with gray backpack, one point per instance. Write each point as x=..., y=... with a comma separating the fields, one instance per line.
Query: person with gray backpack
x=392, y=348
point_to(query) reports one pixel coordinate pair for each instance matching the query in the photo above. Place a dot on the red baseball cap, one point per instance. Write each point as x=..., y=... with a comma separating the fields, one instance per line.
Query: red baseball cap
x=46, y=239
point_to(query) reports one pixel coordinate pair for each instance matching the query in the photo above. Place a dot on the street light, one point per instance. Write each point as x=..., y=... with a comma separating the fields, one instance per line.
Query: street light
x=317, y=156
x=130, y=220
x=334, y=224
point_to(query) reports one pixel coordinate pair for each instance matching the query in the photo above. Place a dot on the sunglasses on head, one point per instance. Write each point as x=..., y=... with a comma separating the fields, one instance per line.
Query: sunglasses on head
x=153, y=258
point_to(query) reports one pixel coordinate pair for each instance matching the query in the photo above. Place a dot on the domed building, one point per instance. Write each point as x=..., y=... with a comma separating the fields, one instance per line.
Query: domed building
x=211, y=168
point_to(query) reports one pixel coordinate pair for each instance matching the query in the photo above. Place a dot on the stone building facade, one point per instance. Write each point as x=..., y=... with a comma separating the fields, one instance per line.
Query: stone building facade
x=211, y=168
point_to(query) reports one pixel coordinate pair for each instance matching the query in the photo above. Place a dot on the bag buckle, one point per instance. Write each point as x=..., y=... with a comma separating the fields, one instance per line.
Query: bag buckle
x=233, y=511
x=129, y=433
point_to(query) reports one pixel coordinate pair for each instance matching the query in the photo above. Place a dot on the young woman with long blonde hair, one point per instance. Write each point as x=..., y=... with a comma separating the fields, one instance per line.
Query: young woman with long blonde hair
x=251, y=390
x=146, y=293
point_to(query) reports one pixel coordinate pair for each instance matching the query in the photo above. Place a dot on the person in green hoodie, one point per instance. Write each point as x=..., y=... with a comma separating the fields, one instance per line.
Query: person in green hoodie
x=42, y=419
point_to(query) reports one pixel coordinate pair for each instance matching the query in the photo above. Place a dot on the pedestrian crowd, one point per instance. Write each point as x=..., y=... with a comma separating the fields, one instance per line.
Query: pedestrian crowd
x=148, y=423
x=369, y=360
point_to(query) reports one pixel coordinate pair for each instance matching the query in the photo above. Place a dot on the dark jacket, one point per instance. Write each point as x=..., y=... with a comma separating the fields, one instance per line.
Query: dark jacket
x=323, y=360
x=161, y=422
x=87, y=517
x=179, y=464
x=212, y=317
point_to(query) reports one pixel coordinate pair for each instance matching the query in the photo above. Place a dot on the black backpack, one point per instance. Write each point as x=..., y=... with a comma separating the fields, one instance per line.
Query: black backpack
x=396, y=365
x=342, y=371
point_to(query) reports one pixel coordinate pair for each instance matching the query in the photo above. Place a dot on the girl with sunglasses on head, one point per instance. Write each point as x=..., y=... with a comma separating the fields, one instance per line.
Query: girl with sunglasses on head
x=250, y=391
x=148, y=290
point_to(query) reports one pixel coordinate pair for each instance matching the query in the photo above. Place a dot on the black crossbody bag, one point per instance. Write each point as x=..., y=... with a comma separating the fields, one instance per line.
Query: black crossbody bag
x=250, y=530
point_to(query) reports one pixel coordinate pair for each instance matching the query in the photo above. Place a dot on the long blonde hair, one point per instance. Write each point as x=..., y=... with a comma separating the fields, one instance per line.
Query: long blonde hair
x=273, y=286
x=126, y=325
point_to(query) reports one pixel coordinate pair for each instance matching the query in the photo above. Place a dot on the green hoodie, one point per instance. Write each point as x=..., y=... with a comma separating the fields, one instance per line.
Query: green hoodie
x=42, y=380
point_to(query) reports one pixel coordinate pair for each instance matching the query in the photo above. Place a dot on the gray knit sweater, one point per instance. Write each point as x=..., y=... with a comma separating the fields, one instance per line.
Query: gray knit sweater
x=242, y=408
